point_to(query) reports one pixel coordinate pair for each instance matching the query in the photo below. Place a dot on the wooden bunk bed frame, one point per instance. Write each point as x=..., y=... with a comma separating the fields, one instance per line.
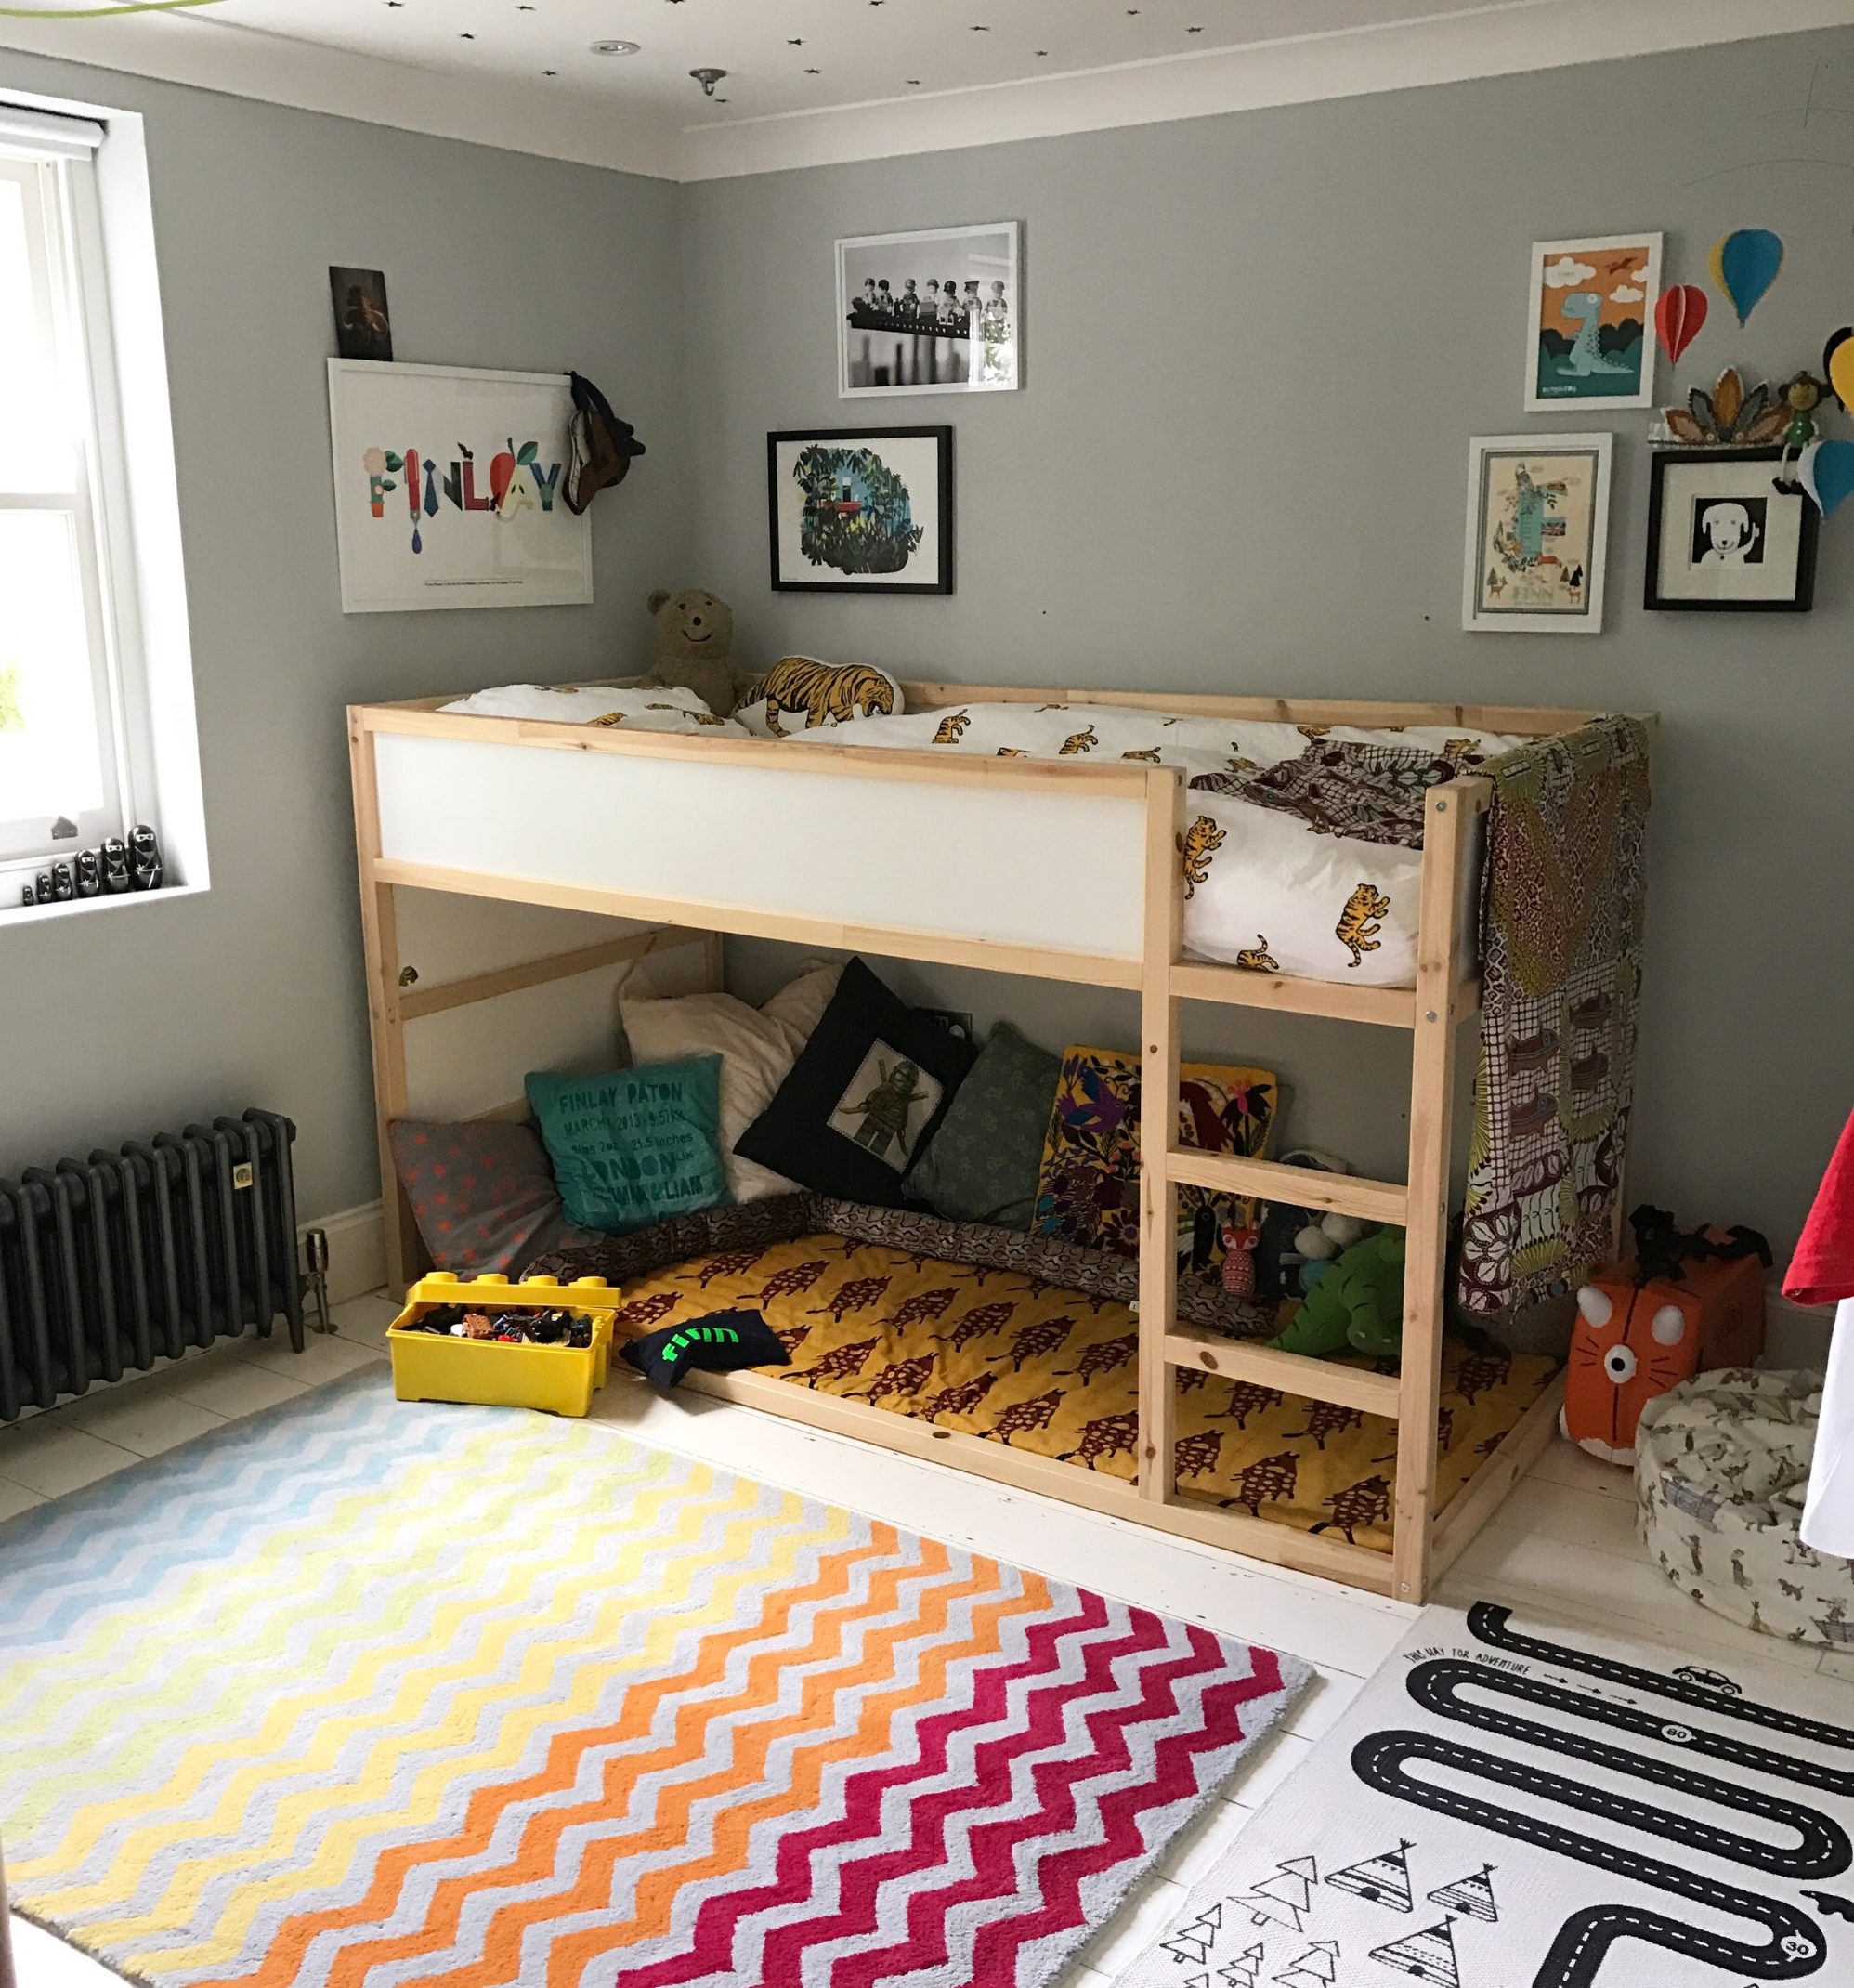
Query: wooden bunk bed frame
x=1444, y=999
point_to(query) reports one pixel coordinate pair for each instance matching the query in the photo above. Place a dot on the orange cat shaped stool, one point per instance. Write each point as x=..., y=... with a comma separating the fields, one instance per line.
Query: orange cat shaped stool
x=1686, y=1305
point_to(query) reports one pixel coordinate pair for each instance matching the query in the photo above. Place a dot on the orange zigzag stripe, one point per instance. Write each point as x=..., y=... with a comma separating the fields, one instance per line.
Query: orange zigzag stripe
x=536, y=1855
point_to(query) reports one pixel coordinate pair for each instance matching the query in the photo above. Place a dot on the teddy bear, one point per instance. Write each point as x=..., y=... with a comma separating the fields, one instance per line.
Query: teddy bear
x=695, y=647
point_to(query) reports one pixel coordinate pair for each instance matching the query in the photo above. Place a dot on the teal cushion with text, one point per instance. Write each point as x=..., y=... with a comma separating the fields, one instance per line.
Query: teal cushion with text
x=631, y=1148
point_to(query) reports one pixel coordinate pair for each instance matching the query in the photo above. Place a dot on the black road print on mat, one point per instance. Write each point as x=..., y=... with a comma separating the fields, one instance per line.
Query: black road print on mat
x=1795, y=1946
x=1488, y=1625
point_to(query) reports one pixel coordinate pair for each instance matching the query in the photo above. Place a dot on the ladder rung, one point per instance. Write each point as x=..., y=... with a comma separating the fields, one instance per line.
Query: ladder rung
x=1199, y=980
x=1293, y=1373
x=1343, y=1194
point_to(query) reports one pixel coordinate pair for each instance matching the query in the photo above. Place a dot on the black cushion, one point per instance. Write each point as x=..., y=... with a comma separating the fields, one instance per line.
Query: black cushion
x=721, y=1344
x=864, y=1097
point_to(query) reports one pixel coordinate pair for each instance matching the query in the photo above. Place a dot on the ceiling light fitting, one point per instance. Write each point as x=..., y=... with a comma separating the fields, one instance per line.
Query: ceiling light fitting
x=708, y=78
x=617, y=48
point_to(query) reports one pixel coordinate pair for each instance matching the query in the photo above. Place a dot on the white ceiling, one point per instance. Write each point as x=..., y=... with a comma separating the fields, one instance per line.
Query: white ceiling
x=891, y=76
x=786, y=56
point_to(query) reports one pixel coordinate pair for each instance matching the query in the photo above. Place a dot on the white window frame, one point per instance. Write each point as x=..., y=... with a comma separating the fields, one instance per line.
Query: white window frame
x=53, y=157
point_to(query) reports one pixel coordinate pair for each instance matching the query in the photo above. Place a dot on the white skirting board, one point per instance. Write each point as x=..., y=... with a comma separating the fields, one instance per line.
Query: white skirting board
x=356, y=1251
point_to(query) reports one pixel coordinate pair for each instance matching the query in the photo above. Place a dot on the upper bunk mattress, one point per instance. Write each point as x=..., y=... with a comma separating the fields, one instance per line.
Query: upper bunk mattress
x=1302, y=842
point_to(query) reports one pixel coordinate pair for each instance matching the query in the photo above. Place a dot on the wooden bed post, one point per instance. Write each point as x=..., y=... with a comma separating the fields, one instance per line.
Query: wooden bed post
x=1443, y=961
x=380, y=933
x=1158, y=1133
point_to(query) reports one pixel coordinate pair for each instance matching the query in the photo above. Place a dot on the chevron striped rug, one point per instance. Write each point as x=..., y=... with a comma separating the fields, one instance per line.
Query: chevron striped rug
x=362, y=1693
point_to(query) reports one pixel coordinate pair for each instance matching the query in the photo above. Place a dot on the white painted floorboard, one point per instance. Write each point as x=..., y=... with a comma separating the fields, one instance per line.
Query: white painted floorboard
x=1565, y=1546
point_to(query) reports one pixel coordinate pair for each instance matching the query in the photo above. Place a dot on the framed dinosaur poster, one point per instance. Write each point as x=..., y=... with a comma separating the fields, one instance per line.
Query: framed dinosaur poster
x=1587, y=323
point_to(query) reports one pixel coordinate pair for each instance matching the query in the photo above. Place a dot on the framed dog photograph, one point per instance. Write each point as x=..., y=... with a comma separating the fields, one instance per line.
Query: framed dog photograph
x=1726, y=533
x=861, y=510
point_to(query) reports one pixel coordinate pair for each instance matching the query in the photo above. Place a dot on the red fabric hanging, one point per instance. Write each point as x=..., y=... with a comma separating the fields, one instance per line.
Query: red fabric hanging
x=1821, y=1272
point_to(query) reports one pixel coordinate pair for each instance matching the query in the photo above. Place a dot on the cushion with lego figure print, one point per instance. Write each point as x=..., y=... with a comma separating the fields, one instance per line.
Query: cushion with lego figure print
x=864, y=1097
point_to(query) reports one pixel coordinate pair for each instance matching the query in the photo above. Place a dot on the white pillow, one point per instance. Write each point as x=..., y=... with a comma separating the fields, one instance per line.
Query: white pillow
x=1268, y=894
x=655, y=710
x=757, y=1048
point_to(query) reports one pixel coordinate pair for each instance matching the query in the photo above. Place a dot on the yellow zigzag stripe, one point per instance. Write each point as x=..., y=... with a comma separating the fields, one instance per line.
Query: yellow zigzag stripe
x=281, y=1714
x=188, y=1642
x=340, y=1849
x=335, y=1852
x=485, y=1460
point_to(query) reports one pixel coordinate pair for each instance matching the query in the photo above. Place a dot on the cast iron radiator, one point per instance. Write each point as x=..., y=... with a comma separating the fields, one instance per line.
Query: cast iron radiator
x=118, y=1260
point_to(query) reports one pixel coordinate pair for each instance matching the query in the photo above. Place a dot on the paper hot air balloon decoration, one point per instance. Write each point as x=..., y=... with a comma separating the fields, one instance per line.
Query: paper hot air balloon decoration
x=1679, y=318
x=1744, y=264
x=1826, y=471
x=1837, y=362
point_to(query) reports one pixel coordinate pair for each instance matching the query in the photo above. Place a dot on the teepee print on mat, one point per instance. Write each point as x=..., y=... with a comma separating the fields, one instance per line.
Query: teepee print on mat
x=1384, y=1880
x=1424, y=1956
x=1515, y=1803
x=1472, y=1896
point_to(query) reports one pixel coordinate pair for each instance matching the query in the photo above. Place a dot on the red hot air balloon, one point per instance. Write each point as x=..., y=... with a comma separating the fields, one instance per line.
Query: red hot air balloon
x=1677, y=318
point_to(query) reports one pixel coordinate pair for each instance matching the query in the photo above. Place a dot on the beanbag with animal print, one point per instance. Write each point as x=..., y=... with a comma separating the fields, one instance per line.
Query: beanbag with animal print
x=800, y=694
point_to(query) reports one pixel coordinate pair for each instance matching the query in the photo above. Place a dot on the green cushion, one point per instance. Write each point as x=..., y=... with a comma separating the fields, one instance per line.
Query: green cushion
x=632, y=1146
x=982, y=1163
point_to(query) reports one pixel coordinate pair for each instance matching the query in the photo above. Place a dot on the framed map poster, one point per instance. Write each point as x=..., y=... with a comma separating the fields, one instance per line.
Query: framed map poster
x=1538, y=526
x=449, y=489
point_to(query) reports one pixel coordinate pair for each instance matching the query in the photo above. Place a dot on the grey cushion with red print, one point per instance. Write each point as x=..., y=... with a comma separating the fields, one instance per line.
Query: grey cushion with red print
x=482, y=1194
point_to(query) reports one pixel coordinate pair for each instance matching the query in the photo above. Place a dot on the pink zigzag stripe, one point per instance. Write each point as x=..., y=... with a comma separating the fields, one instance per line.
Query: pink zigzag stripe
x=861, y=1882
x=1062, y=1869
x=712, y=1941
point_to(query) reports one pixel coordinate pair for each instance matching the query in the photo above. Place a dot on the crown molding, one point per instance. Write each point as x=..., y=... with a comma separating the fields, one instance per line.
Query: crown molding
x=210, y=52
x=1505, y=37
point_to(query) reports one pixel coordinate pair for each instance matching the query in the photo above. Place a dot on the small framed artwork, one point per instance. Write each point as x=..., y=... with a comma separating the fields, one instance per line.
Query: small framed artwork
x=1723, y=533
x=1539, y=528
x=1587, y=327
x=363, y=329
x=861, y=510
x=939, y=312
x=448, y=488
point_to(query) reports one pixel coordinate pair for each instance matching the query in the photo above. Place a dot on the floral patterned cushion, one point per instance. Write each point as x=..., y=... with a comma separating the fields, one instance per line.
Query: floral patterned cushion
x=1088, y=1191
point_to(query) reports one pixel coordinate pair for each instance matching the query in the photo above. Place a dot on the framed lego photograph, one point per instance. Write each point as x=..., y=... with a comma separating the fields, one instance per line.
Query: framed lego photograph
x=937, y=312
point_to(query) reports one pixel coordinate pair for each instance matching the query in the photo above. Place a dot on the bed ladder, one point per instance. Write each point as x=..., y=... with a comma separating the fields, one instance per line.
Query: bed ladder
x=1447, y=992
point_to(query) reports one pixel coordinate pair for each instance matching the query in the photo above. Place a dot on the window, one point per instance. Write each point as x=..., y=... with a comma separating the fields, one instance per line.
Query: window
x=67, y=759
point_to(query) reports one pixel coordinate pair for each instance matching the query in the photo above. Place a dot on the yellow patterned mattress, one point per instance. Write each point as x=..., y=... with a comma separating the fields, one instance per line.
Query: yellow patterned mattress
x=999, y=1355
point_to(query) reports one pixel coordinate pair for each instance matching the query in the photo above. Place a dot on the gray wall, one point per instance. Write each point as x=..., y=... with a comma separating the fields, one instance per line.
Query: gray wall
x=1257, y=346
x=252, y=992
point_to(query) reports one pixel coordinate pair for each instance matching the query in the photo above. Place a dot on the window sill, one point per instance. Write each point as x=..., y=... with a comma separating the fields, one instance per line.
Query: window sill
x=21, y=916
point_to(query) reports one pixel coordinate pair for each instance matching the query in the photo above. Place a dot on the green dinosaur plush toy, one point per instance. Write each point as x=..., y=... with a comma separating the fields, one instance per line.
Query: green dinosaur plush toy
x=1357, y=1306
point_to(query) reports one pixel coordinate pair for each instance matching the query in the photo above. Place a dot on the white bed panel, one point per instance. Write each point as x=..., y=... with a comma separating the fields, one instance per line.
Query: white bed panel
x=1026, y=867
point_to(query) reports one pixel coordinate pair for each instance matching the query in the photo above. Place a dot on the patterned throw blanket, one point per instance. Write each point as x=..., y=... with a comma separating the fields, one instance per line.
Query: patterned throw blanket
x=1561, y=937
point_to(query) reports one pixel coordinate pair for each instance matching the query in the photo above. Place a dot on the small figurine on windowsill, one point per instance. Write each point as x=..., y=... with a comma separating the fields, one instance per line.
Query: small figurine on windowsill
x=145, y=864
x=89, y=873
x=115, y=856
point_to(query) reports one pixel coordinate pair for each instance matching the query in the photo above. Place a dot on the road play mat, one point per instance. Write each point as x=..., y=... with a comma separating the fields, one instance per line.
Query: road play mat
x=1507, y=1805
